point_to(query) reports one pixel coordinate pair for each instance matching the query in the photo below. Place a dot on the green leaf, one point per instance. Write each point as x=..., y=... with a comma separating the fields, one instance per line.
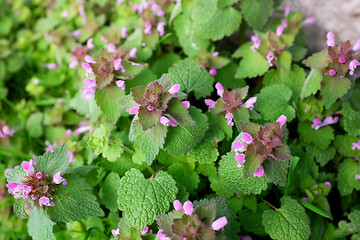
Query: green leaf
x=232, y=179
x=5, y=25
x=218, y=127
x=142, y=200
x=184, y=173
x=251, y=221
x=150, y=141
x=181, y=139
x=108, y=99
x=191, y=77
x=74, y=201
x=297, y=52
x=131, y=70
x=205, y=152
x=19, y=207
x=33, y=125
x=334, y=88
x=225, y=3
x=177, y=112
x=352, y=227
x=318, y=60
x=294, y=78
x=321, y=138
x=276, y=171
x=40, y=226
x=272, y=102
x=346, y=177
x=53, y=162
x=351, y=120
x=210, y=22
x=343, y=144
x=252, y=65
x=163, y=63
x=107, y=194
x=293, y=162
x=284, y=61
x=17, y=174
x=288, y=222
x=166, y=221
x=149, y=119
x=112, y=152
x=321, y=156
x=189, y=42
x=257, y=12
x=127, y=232
x=311, y=84
x=315, y=209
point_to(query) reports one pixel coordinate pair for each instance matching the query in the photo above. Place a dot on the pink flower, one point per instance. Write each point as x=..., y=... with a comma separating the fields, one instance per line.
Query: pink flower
x=118, y=65
x=327, y=121
x=305, y=199
x=89, y=88
x=68, y=133
x=45, y=201
x=259, y=172
x=229, y=118
x=309, y=21
x=355, y=145
x=270, y=56
x=282, y=120
x=219, y=223
x=147, y=26
x=123, y=32
x=51, y=66
x=174, y=89
x=115, y=232
x=71, y=156
x=162, y=236
x=188, y=208
x=144, y=231
x=330, y=42
x=132, y=53
x=256, y=44
x=89, y=59
x=280, y=29
x=210, y=103
x=87, y=68
x=215, y=54
x=250, y=103
x=357, y=176
x=287, y=10
x=177, y=205
x=28, y=166
x=356, y=47
x=58, y=179
x=157, y=9
x=135, y=110
x=50, y=147
x=332, y=72
x=202, y=66
x=90, y=44
x=6, y=131
x=73, y=62
x=64, y=14
x=342, y=60
x=213, y=71
x=247, y=138
x=240, y=158
x=239, y=146
x=327, y=184
x=160, y=28
x=220, y=89
x=165, y=121
x=111, y=48
x=121, y=84
x=76, y=34
x=352, y=66
x=186, y=104
x=81, y=10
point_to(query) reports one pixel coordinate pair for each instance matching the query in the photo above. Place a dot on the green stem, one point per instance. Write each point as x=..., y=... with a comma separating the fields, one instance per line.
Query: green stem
x=149, y=168
x=13, y=152
x=272, y=206
x=158, y=171
x=128, y=150
x=8, y=103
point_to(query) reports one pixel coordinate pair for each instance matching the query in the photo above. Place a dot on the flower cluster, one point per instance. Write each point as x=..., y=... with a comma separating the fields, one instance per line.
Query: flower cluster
x=36, y=185
x=230, y=102
x=342, y=58
x=317, y=123
x=159, y=104
x=261, y=143
x=193, y=224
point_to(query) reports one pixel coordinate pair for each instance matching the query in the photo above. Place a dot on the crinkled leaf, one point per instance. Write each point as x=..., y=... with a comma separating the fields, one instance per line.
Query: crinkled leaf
x=150, y=141
x=181, y=139
x=53, y=162
x=320, y=138
x=184, y=173
x=284, y=61
x=131, y=69
x=205, y=152
x=311, y=84
x=108, y=193
x=276, y=171
x=33, y=125
x=343, y=144
x=294, y=78
x=257, y=12
x=321, y=156
x=103, y=81
x=128, y=233
x=19, y=207
x=232, y=178
x=334, y=88
x=112, y=152
x=288, y=222
x=251, y=221
x=252, y=65
x=143, y=199
x=40, y=226
x=347, y=228
x=108, y=101
x=318, y=60
x=218, y=127
x=346, y=176
x=177, y=112
x=191, y=77
x=165, y=221
x=297, y=52
x=351, y=120
x=16, y=175
x=272, y=102
x=189, y=42
x=74, y=201
x=225, y=3
x=149, y=119
x=210, y=22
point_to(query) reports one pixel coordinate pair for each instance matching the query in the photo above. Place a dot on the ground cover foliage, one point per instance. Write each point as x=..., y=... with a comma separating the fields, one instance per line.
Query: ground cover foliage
x=175, y=119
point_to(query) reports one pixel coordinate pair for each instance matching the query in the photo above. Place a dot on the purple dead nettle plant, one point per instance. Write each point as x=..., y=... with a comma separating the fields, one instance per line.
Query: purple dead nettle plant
x=159, y=102
x=258, y=146
x=231, y=103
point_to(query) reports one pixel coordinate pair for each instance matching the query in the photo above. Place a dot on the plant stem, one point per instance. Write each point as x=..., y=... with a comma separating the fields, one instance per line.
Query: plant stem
x=272, y=206
x=13, y=152
x=149, y=168
x=158, y=171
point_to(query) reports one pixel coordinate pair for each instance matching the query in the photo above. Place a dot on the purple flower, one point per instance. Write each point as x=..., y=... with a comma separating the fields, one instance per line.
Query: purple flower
x=123, y=32
x=76, y=34
x=115, y=232
x=58, y=179
x=188, y=208
x=327, y=121
x=118, y=65
x=87, y=68
x=240, y=158
x=111, y=48
x=157, y=9
x=287, y=10
x=215, y=54
x=330, y=42
x=355, y=145
x=135, y=110
x=45, y=201
x=219, y=89
x=213, y=71
x=280, y=29
x=259, y=172
x=219, y=223
x=89, y=59
x=342, y=60
x=356, y=47
x=90, y=44
x=177, y=205
x=186, y=104
x=229, y=117
x=64, y=14
x=256, y=44
x=160, y=28
x=282, y=120
x=357, y=177
x=132, y=53
x=71, y=156
x=327, y=184
x=352, y=66
x=6, y=131
x=309, y=20
x=89, y=88
x=210, y=103
x=270, y=56
x=144, y=231
x=51, y=66
x=121, y=84
x=73, y=62
x=174, y=89
x=250, y=103
x=332, y=72
x=81, y=10
x=147, y=26
x=305, y=199
x=162, y=236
